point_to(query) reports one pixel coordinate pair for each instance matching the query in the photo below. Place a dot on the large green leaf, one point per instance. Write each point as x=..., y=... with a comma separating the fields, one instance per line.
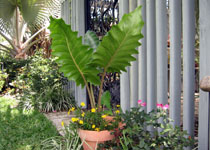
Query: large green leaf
x=117, y=47
x=74, y=57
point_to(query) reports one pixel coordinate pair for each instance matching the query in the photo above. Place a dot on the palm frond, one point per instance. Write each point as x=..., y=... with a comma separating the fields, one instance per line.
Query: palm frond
x=34, y=12
x=7, y=9
x=47, y=8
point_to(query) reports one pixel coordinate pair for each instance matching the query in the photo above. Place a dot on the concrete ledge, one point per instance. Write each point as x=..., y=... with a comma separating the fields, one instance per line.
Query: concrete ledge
x=205, y=84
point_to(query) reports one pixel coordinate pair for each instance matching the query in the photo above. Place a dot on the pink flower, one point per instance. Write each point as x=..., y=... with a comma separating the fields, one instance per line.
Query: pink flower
x=166, y=106
x=54, y=110
x=159, y=105
x=143, y=104
x=139, y=101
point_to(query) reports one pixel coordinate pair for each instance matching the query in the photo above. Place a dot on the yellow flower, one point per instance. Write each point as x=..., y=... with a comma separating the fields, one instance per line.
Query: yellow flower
x=97, y=129
x=117, y=111
x=62, y=123
x=103, y=116
x=93, y=126
x=69, y=112
x=80, y=122
x=83, y=114
x=82, y=104
x=73, y=108
x=93, y=110
x=118, y=106
x=74, y=119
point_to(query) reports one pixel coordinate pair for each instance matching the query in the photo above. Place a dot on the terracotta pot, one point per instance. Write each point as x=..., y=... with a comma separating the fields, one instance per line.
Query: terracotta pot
x=93, y=138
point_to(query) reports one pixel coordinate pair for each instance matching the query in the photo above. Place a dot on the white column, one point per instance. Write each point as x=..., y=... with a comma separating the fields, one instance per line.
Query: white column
x=162, y=57
x=142, y=57
x=175, y=61
x=124, y=77
x=151, y=55
x=133, y=69
x=73, y=14
x=79, y=9
x=188, y=66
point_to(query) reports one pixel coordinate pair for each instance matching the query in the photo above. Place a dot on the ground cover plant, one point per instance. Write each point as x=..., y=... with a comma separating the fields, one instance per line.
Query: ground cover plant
x=22, y=130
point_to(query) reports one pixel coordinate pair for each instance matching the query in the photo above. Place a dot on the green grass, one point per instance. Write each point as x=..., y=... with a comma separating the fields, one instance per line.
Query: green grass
x=22, y=130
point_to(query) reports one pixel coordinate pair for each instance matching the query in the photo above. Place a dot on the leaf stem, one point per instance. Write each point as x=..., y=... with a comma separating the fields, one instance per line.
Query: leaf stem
x=100, y=90
x=91, y=89
x=89, y=92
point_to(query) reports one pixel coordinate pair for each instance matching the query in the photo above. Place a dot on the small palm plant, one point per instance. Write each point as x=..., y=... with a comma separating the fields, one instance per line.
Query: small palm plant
x=83, y=63
x=21, y=21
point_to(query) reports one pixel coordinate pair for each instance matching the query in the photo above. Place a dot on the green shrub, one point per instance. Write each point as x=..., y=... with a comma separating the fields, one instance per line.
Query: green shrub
x=50, y=99
x=38, y=83
x=42, y=85
x=12, y=68
x=3, y=78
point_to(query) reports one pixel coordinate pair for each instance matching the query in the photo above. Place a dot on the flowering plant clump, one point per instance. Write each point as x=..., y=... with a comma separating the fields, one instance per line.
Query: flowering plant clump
x=149, y=131
x=94, y=120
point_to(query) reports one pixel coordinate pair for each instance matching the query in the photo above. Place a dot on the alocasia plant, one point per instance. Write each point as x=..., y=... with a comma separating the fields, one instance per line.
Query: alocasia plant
x=84, y=62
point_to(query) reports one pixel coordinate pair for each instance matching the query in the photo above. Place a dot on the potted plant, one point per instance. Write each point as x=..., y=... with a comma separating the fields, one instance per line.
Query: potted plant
x=87, y=64
x=94, y=126
x=136, y=135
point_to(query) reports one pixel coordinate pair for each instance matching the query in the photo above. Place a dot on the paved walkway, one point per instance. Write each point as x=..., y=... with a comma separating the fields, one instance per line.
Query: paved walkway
x=57, y=118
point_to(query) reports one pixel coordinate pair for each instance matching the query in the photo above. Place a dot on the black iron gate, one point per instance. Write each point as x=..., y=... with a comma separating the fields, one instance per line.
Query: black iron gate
x=100, y=16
